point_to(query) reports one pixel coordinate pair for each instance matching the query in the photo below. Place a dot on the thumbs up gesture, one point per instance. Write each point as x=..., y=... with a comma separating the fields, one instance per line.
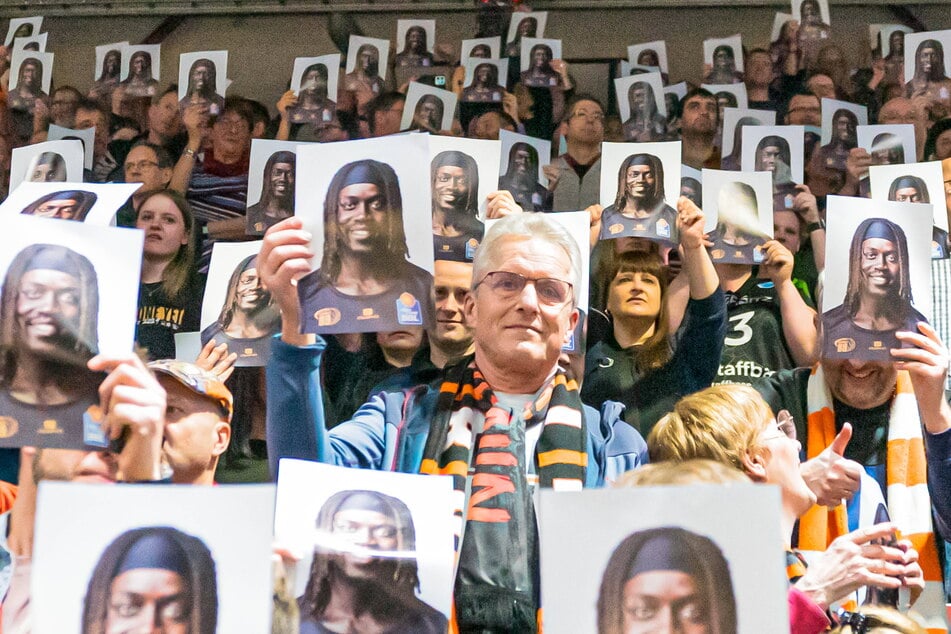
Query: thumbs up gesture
x=832, y=477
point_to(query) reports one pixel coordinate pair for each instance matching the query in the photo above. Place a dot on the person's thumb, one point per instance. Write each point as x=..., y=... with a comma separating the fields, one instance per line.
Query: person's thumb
x=842, y=440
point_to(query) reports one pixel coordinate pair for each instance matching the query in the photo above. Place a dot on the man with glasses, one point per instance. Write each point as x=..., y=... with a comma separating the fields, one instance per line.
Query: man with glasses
x=575, y=176
x=498, y=423
x=150, y=165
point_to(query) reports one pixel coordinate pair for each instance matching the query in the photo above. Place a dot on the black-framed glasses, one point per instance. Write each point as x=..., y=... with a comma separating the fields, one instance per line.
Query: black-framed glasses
x=859, y=623
x=507, y=284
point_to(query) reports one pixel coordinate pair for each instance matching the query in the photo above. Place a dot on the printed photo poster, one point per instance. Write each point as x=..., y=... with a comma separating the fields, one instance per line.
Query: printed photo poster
x=921, y=183
x=71, y=290
x=167, y=535
x=729, y=95
x=314, y=81
x=379, y=193
x=30, y=76
x=236, y=308
x=734, y=121
x=653, y=54
x=723, y=60
x=367, y=60
x=640, y=184
x=187, y=346
x=923, y=53
x=428, y=109
x=50, y=161
x=780, y=20
x=618, y=536
x=889, y=144
x=840, y=120
x=739, y=215
x=482, y=48
x=812, y=13
x=525, y=24
x=389, y=528
x=415, y=41
x=203, y=79
x=878, y=276
x=536, y=58
x=485, y=80
x=882, y=36
x=141, y=66
x=462, y=173
x=674, y=93
x=23, y=27
x=88, y=203
x=32, y=43
x=691, y=184
x=539, y=155
x=778, y=150
x=642, y=107
x=272, y=176
x=86, y=136
x=108, y=67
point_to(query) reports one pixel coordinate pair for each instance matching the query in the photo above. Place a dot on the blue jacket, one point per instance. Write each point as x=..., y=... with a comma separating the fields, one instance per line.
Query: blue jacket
x=389, y=431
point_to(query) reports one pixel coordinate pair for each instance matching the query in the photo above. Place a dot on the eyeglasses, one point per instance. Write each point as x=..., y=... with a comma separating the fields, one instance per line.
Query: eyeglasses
x=597, y=117
x=231, y=124
x=785, y=426
x=141, y=165
x=506, y=284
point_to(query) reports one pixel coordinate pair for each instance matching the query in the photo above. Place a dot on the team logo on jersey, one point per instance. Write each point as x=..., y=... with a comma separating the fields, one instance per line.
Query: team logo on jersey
x=369, y=313
x=717, y=254
x=876, y=345
x=327, y=316
x=50, y=426
x=662, y=228
x=471, y=247
x=844, y=344
x=616, y=228
x=408, y=312
x=8, y=426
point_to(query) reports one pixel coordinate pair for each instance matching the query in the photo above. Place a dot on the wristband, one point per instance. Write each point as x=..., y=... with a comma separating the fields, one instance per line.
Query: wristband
x=815, y=226
x=190, y=152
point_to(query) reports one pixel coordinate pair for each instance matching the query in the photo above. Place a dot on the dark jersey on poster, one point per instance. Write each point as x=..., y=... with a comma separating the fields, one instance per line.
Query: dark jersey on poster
x=70, y=426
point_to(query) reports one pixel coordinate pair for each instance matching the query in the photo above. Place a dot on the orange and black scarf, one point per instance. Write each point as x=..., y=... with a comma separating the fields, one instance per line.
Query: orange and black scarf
x=497, y=583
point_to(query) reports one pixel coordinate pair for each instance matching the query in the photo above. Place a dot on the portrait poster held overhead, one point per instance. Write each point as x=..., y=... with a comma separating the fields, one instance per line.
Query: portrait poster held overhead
x=314, y=81
x=520, y=173
x=877, y=276
x=779, y=21
x=485, y=80
x=889, y=144
x=732, y=123
x=272, y=176
x=23, y=27
x=415, y=41
x=47, y=162
x=814, y=29
x=68, y=293
x=30, y=75
x=33, y=43
x=91, y=203
x=640, y=184
x=204, y=551
x=481, y=47
x=840, y=120
x=883, y=36
x=236, y=308
x=140, y=71
x=524, y=25
x=385, y=537
x=778, y=150
x=649, y=54
x=916, y=183
x=203, y=79
x=428, y=109
x=640, y=555
x=365, y=206
x=462, y=173
x=86, y=136
x=107, y=71
x=535, y=63
x=927, y=67
x=723, y=60
x=739, y=215
x=367, y=61
x=642, y=107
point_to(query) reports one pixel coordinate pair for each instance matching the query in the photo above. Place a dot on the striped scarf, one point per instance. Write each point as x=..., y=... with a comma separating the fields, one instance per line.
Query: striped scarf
x=497, y=586
x=909, y=504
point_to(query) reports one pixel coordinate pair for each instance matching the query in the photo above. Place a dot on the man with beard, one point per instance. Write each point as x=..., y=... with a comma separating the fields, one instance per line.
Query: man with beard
x=29, y=86
x=365, y=271
x=455, y=189
x=416, y=51
x=639, y=208
x=365, y=75
x=645, y=123
x=521, y=179
x=930, y=79
x=428, y=114
x=202, y=87
x=248, y=317
x=313, y=104
x=277, y=198
x=698, y=128
x=540, y=74
x=350, y=589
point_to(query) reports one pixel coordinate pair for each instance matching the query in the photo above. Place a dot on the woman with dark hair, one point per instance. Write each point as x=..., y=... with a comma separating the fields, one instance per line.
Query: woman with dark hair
x=65, y=205
x=666, y=572
x=277, y=193
x=485, y=84
x=47, y=167
x=170, y=291
x=381, y=591
x=140, y=82
x=641, y=363
x=176, y=568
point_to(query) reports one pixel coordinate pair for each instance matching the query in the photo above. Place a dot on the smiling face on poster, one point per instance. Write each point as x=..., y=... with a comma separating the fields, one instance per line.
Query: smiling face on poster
x=205, y=552
x=640, y=183
x=368, y=57
x=524, y=25
x=481, y=48
x=779, y=151
x=237, y=309
x=89, y=203
x=389, y=534
x=927, y=64
x=739, y=214
x=912, y=183
x=23, y=27
x=633, y=572
x=272, y=178
x=415, y=40
x=69, y=292
x=537, y=55
x=203, y=79
x=649, y=54
x=840, y=120
x=877, y=276
x=86, y=136
x=888, y=144
x=723, y=59
x=47, y=162
x=428, y=109
x=374, y=272
x=734, y=121
x=485, y=79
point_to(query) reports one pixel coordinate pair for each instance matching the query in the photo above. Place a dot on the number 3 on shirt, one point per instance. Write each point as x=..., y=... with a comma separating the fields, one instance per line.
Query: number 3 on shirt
x=740, y=326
